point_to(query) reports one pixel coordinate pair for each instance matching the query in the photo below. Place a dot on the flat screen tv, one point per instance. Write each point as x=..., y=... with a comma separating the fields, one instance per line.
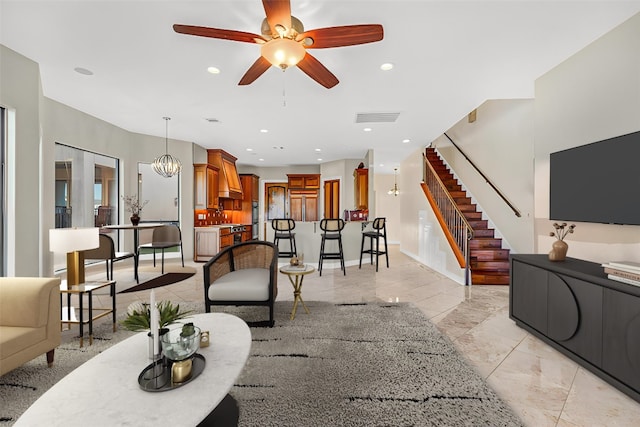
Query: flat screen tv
x=598, y=182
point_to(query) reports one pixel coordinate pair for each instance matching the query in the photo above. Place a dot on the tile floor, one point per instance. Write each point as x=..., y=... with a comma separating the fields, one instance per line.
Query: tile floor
x=544, y=387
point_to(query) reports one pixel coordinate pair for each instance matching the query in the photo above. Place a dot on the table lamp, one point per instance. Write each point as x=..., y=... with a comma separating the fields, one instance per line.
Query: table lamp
x=73, y=241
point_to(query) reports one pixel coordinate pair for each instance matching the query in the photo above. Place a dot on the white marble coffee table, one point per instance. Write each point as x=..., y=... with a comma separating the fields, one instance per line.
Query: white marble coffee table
x=105, y=392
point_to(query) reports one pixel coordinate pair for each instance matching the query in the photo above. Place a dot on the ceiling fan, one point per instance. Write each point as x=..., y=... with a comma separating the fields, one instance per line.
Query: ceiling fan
x=285, y=43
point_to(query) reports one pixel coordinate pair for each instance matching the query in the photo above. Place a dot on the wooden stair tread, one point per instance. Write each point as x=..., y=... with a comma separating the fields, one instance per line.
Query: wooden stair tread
x=489, y=262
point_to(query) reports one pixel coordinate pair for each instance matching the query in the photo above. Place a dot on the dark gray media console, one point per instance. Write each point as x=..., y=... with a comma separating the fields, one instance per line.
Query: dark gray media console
x=573, y=306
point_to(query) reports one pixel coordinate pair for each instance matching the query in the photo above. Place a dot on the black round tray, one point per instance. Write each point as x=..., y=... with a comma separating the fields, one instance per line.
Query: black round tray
x=157, y=376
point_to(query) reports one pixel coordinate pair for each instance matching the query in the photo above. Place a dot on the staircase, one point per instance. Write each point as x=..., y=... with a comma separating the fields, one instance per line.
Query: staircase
x=488, y=261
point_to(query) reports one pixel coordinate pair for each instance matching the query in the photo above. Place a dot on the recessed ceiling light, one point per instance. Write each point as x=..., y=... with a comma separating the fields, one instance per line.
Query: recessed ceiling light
x=264, y=130
x=213, y=70
x=319, y=160
x=317, y=150
x=367, y=129
x=381, y=165
x=83, y=71
x=386, y=66
x=406, y=141
x=261, y=160
x=249, y=149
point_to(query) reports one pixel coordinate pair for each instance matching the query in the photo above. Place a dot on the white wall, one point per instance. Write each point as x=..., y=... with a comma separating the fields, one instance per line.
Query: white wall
x=421, y=236
x=500, y=144
x=593, y=95
x=40, y=123
x=69, y=126
x=20, y=93
x=388, y=206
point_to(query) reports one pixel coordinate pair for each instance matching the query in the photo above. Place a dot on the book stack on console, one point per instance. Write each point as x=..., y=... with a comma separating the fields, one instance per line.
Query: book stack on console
x=623, y=271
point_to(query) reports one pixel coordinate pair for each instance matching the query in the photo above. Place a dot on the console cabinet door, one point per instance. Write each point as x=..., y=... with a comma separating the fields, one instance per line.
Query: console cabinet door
x=529, y=295
x=574, y=318
x=621, y=352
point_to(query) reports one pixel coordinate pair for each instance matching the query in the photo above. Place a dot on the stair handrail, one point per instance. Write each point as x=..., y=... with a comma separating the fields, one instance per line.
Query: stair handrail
x=487, y=180
x=457, y=229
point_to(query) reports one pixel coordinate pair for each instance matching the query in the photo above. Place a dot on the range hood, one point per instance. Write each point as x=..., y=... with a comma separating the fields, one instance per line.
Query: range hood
x=229, y=185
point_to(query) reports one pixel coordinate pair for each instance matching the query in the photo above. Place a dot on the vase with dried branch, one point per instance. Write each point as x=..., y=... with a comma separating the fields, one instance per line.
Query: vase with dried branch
x=560, y=247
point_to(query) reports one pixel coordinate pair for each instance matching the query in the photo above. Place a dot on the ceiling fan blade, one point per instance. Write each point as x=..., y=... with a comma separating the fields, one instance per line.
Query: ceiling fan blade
x=216, y=33
x=278, y=13
x=347, y=35
x=256, y=70
x=318, y=72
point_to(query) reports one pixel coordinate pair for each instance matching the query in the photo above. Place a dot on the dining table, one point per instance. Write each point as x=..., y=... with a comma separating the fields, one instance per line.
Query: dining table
x=136, y=237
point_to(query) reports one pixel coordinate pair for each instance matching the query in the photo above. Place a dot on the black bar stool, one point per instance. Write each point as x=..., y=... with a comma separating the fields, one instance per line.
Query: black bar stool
x=282, y=231
x=332, y=230
x=379, y=231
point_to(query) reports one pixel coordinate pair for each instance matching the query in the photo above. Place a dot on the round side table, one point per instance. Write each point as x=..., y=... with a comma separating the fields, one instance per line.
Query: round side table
x=296, y=275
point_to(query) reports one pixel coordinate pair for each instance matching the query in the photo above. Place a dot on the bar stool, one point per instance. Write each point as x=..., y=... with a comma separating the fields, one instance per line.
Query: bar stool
x=331, y=230
x=282, y=231
x=379, y=231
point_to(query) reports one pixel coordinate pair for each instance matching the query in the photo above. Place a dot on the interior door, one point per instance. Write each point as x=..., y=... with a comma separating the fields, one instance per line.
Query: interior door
x=332, y=199
x=276, y=197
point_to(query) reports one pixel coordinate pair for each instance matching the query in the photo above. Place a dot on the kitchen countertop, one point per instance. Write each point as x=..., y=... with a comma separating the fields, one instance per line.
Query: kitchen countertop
x=221, y=226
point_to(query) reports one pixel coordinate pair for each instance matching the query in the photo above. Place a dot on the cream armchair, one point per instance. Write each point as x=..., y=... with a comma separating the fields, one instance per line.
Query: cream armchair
x=243, y=274
x=29, y=320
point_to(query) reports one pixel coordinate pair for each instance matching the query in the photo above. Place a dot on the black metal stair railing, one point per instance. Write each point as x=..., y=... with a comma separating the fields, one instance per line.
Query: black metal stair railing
x=456, y=223
x=487, y=180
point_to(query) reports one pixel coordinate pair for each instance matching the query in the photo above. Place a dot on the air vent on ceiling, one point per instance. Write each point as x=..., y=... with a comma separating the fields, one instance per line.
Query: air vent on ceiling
x=376, y=117
x=212, y=120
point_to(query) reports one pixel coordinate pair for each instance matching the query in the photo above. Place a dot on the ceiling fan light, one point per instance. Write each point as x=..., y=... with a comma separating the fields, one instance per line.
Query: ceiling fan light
x=282, y=53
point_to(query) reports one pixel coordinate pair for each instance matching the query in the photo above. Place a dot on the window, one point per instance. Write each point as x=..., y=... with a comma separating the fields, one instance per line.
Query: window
x=162, y=194
x=86, y=190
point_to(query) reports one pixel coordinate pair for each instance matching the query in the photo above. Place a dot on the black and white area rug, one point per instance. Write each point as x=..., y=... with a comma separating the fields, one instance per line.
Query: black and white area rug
x=372, y=364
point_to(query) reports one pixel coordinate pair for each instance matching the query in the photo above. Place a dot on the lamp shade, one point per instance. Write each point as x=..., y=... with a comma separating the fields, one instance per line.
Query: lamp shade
x=65, y=240
x=283, y=52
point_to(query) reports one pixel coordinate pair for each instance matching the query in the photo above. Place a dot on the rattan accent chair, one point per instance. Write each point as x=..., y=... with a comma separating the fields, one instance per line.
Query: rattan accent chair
x=243, y=274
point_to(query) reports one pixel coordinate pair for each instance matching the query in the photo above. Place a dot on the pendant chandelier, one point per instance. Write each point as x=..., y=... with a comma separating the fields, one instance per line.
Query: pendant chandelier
x=167, y=165
x=394, y=190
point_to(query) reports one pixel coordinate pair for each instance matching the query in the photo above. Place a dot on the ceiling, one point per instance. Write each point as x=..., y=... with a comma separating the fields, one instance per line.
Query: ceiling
x=449, y=57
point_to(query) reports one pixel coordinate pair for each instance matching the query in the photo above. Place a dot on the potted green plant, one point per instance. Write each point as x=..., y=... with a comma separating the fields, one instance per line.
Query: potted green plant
x=139, y=315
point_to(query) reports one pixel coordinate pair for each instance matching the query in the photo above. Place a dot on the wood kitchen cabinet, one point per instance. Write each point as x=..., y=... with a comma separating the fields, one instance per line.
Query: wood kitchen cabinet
x=304, y=181
x=303, y=196
x=361, y=186
x=303, y=205
x=205, y=186
x=207, y=243
x=232, y=204
x=250, y=187
x=229, y=182
x=246, y=234
x=226, y=238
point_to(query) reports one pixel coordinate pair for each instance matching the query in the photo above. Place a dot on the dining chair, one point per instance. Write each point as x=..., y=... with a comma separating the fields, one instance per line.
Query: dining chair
x=165, y=237
x=106, y=251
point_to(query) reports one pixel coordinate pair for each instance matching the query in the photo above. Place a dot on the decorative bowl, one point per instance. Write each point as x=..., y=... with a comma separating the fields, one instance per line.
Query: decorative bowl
x=176, y=347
